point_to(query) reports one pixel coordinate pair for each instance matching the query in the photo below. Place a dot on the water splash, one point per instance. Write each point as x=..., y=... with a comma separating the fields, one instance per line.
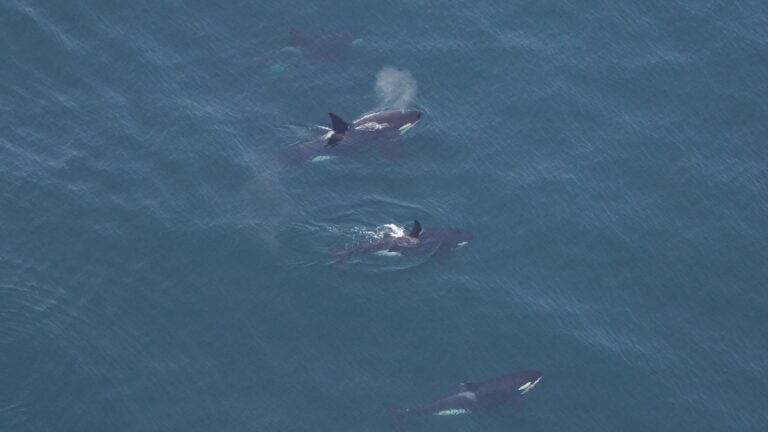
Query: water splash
x=393, y=230
x=388, y=230
x=395, y=88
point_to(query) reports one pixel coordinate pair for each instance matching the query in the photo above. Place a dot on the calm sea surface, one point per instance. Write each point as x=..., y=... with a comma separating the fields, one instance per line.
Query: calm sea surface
x=163, y=269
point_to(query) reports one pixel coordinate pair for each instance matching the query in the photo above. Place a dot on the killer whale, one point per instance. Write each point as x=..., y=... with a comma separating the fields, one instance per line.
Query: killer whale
x=439, y=242
x=380, y=127
x=473, y=396
x=375, y=123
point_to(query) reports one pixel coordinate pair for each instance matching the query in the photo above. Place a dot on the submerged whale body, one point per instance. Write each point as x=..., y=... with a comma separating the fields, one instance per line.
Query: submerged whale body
x=324, y=44
x=473, y=396
x=439, y=242
x=381, y=127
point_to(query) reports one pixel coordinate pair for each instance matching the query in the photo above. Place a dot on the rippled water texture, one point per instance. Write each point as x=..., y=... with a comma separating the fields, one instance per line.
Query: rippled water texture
x=163, y=268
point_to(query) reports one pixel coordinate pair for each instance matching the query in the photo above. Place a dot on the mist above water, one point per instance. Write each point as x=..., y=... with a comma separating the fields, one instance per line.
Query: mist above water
x=395, y=88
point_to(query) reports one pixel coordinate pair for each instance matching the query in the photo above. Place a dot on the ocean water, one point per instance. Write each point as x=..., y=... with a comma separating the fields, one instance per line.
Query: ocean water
x=163, y=269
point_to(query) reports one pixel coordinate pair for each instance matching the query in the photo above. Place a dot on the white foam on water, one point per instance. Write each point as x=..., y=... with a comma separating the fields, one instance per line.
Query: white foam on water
x=393, y=230
x=452, y=412
x=388, y=230
x=388, y=253
x=381, y=232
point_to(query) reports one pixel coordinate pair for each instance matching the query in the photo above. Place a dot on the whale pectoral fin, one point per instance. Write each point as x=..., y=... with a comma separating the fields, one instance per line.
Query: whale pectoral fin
x=338, y=124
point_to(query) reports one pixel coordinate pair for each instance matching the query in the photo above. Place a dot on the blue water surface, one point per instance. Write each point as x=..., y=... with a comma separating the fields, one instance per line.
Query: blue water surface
x=163, y=269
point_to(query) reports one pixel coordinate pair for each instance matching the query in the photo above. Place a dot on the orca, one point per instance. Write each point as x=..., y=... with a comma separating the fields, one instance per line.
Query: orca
x=375, y=123
x=473, y=396
x=439, y=242
x=381, y=127
x=325, y=43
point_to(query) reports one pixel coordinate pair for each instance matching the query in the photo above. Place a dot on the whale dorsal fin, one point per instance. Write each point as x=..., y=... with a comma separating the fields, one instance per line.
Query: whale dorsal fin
x=338, y=124
x=415, y=230
x=469, y=386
